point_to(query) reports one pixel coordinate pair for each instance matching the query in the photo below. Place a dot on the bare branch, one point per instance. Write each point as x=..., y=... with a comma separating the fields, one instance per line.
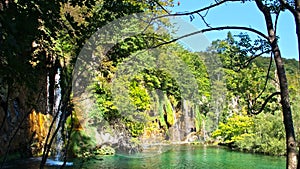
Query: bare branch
x=161, y=7
x=203, y=19
x=199, y=10
x=215, y=29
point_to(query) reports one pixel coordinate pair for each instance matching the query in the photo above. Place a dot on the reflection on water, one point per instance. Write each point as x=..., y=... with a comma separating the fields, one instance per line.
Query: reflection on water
x=178, y=157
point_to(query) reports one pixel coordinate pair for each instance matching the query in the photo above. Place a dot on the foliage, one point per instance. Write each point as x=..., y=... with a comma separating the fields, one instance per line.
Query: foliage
x=135, y=128
x=244, y=94
x=55, y=32
x=267, y=136
x=235, y=129
x=140, y=97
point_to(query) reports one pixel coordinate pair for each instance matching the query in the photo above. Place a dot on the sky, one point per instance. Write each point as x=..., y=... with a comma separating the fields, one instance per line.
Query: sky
x=238, y=14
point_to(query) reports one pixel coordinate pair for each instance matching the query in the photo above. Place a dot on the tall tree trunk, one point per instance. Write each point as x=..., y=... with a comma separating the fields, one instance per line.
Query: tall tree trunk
x=291, y=161
x=297, y=21
x=291, y=147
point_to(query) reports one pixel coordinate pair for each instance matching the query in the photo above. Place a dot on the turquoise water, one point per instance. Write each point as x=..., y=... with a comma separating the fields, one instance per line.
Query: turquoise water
x=190, y=157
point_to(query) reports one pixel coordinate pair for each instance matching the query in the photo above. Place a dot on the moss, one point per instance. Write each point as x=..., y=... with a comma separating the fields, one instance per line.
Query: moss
x=80, y=143
x=198, y=119
x=169, y=111
x=104, y=150
x=161, y=113
x=135, y=128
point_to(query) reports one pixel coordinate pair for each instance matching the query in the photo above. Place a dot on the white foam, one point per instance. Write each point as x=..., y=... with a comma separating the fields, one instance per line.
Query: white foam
x=57, y=163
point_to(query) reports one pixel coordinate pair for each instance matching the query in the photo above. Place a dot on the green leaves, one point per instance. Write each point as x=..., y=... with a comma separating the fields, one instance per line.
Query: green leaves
x=139, y=96
x=235, y=129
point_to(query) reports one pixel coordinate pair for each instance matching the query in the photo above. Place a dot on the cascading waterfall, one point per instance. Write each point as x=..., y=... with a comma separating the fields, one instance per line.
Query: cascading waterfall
x=56, y=109
x=176, y=133
x=189, y=116
x=186, y=117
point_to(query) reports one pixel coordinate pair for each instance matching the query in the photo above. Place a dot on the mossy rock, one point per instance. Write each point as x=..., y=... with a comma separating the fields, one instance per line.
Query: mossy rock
x=104, y=150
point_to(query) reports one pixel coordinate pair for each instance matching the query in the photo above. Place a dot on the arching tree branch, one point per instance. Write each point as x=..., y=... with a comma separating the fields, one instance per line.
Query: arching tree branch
x=250, y=106
x=215, y=29
x=248, y=61
x=267, y=77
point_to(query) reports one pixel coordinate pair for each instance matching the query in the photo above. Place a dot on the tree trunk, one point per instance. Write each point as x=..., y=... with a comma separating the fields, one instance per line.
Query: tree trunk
x=297, y=21
x=291, y=147
x=291, y=161
x=296, y=13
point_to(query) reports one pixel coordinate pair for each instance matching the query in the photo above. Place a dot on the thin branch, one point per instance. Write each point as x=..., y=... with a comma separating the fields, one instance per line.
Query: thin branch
x=263, y=105
x=47, y=145
x=247, y=62
x=203, y=19
x=68, y=141
x=267, y=77
x=197, y=11
x=215, y=29
x=162, y=7
x=206, y=13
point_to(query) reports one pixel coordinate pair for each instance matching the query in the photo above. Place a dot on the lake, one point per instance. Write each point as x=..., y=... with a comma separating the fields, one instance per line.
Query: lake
x=181, y=156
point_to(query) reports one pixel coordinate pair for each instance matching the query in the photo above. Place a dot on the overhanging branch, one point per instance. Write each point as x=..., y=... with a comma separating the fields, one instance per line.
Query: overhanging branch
x=215, y=29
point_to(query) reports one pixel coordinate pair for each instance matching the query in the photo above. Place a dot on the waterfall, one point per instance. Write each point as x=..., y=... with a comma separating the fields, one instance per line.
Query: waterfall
x=53, y=108
x=56, y=109
x=188, y=113
x=186, y=117
x=176, y=133
x=54, y=104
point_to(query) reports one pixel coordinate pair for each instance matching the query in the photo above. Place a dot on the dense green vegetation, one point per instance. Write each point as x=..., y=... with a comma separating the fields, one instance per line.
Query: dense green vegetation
x=263, y=133
x=231, y=121
x=221, y=89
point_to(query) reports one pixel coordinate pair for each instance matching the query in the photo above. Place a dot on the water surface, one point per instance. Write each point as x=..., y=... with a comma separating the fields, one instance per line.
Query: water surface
x=172, y=157
x=191, y=157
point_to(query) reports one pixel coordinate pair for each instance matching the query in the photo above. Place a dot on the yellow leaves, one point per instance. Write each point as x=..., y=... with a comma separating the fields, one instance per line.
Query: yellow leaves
x=236, y=128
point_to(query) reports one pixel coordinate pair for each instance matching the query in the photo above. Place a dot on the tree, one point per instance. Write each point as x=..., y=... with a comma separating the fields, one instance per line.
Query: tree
x=267, y=9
